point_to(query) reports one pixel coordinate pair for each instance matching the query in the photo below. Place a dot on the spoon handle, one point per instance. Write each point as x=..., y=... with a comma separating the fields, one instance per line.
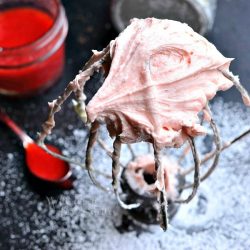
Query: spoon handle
x=17, y=130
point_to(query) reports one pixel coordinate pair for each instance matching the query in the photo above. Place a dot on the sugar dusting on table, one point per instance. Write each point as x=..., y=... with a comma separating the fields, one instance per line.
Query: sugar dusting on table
x=87, y=218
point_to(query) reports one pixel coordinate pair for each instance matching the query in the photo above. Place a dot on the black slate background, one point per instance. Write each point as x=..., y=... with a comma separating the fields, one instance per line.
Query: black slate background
x=90, y=28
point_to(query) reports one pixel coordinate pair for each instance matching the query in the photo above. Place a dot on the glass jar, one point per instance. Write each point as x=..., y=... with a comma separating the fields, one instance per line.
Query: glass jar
x=32, y=47
x=198, y=14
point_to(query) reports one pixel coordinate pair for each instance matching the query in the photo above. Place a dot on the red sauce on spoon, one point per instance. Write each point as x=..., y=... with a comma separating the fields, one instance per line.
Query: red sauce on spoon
x=41, y=164
x=44, y=165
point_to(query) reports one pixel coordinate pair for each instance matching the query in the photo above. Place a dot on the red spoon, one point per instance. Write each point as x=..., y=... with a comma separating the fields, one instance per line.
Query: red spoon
x=41, y=164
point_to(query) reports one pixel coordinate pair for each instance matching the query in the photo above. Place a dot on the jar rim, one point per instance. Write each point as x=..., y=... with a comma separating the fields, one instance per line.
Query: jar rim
x=46, y=37
x=203, y=19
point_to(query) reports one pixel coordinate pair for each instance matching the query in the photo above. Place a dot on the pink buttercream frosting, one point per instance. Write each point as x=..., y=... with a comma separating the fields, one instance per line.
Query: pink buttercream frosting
x=162, y=75
x=145, y=164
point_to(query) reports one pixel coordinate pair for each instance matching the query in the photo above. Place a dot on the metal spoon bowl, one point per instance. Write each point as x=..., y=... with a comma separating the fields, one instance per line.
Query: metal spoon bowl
x=41, y=165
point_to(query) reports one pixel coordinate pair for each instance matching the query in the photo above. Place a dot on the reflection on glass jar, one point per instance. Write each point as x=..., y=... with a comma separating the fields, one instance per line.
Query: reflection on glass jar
x=199, y=14
x=32, y=51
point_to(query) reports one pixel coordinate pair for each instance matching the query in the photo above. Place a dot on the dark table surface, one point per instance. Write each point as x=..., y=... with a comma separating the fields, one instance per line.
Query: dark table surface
x=90, y=28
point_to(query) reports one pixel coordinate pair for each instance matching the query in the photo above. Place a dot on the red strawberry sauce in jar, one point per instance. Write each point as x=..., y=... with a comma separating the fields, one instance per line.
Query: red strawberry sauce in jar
x=32, y=51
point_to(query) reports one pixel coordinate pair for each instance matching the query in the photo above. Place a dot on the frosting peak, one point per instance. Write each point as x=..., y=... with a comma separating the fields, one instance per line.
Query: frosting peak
x=162, y=75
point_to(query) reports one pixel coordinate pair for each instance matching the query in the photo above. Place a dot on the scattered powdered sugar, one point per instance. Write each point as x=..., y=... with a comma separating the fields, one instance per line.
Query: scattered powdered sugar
x=88, y=218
